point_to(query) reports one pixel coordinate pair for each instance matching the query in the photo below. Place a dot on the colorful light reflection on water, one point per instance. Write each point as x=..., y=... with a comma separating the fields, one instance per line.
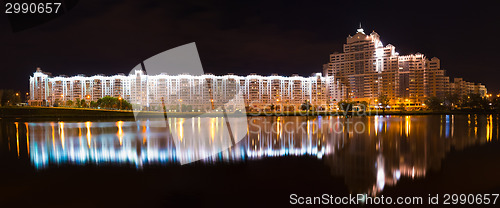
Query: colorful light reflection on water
x=369, y=152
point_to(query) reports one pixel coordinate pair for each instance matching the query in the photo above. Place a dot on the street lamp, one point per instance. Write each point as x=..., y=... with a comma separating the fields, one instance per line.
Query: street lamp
x=278, y=104
x=17, y=95
x=120, y=98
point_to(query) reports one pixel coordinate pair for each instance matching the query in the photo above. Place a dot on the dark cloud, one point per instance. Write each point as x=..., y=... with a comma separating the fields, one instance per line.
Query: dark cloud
x=249, y=36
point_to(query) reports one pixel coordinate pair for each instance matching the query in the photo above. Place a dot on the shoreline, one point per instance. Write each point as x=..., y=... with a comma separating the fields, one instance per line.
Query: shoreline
x=87, y=113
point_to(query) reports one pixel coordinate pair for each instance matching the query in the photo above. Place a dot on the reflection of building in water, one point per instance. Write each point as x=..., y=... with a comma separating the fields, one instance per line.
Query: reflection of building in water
x=110, y=142
x=402, y=146
x=388, y=149
x=140, y=143
x=282, y=136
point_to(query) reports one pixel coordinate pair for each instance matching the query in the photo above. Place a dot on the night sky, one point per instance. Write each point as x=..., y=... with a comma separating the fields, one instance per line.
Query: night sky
x=242, y=37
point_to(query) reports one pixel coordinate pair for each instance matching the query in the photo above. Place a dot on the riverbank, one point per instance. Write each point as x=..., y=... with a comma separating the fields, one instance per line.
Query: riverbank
x=63, y=112
x=368, y=113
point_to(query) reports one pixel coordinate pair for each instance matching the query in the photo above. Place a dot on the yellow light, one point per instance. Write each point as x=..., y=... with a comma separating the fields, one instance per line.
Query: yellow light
x=119, y=124
x=17, y=138
x=408, y=125
x=181, y=129
x=17, y=94
x=27, y=138
x=89, y=134
x=212, y=129
x=61, y=131
x=53, y=136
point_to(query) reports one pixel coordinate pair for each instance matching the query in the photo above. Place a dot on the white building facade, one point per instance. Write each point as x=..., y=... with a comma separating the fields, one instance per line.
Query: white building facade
x=200, y=93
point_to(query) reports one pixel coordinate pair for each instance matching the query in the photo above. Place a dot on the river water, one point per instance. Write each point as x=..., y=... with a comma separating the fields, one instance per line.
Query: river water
x=135, y=163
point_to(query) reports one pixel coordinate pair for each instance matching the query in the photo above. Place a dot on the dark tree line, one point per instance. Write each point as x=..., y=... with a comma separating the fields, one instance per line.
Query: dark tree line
x=9, y=97
x=470, y=101
x=111, y=103
x=102, y=103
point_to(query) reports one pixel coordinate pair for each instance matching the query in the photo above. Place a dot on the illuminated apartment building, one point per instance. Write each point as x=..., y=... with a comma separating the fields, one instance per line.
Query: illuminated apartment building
x=197, y=92
x=437, y=84
x=462, y=87
x=367, y=69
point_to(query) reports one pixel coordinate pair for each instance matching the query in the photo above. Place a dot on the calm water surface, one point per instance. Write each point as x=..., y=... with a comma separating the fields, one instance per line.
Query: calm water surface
x=129, y=163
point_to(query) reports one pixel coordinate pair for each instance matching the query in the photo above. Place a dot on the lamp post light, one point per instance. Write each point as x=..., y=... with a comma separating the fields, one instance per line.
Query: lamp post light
x=17, y=98
x=120, y=99
x=278, y=104
x=212, y=102
x=489, y=96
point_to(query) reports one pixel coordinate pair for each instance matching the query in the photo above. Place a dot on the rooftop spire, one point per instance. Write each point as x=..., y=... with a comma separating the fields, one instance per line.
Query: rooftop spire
x=360, y=29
